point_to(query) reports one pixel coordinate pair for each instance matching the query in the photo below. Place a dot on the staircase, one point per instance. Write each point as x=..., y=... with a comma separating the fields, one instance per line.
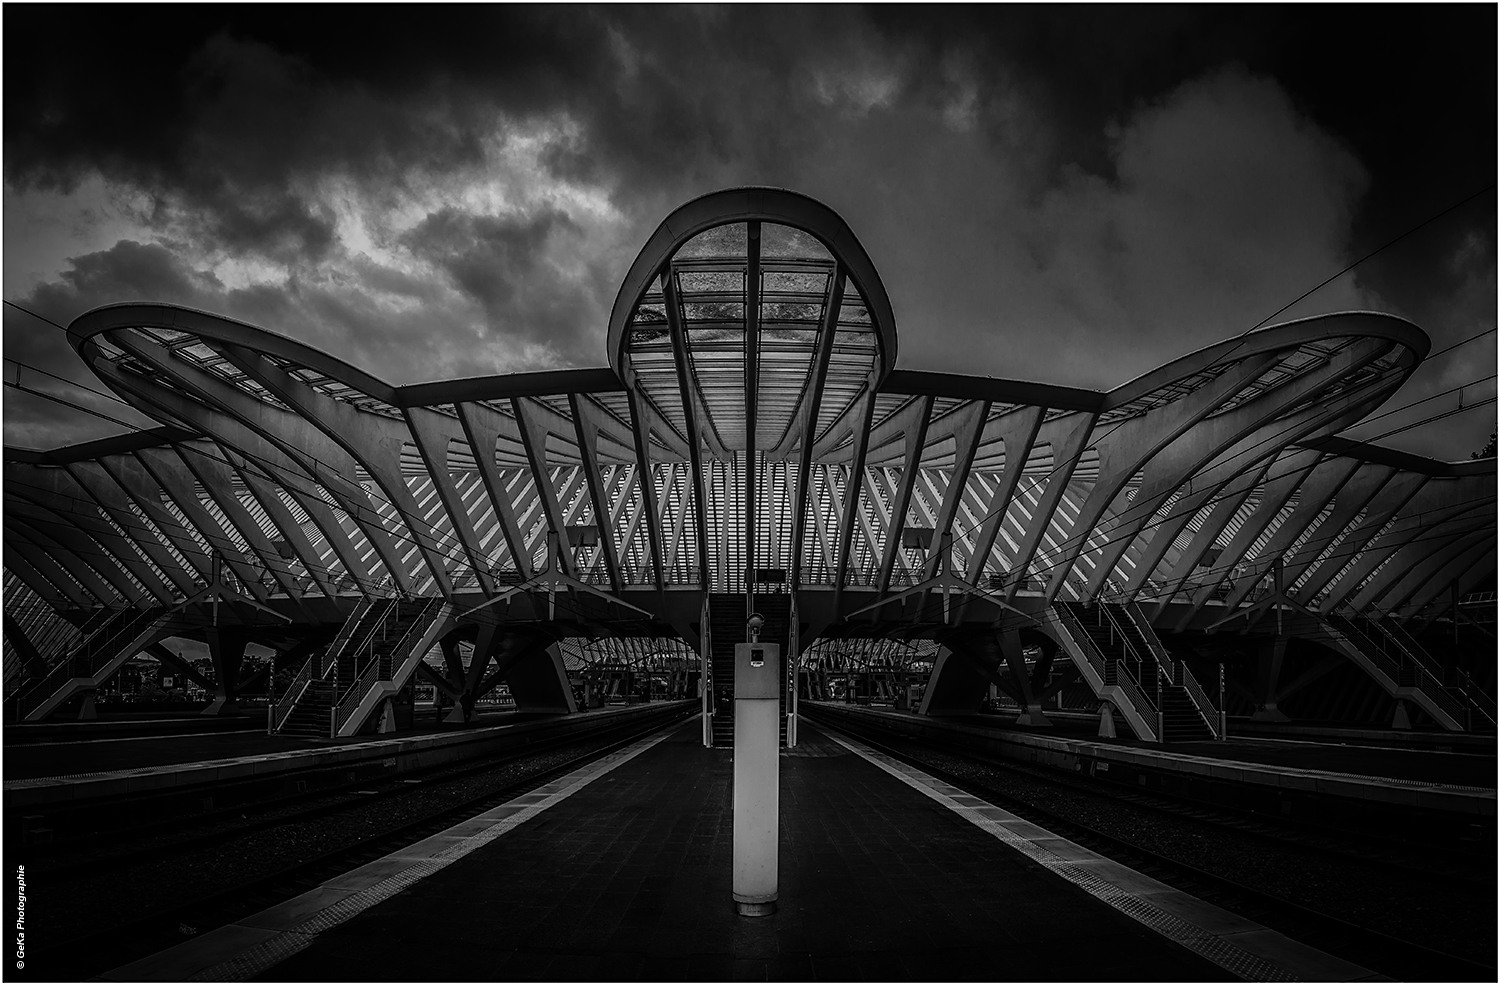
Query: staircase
x=1112, y=668
x=310, y=719
x=93, y=660
x=320, y=678
x=726, y=613
x=1180, y=719
x=1383, y=656
x=386, y=662
x=777, y=610
x=1196, y=717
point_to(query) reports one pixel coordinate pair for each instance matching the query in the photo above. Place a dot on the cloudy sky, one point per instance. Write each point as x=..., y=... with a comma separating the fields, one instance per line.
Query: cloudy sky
x=1065, y=194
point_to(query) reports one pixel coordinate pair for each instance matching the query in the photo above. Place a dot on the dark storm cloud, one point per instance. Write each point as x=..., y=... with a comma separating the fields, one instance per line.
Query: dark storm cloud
x=500, y=263
x=1003, y=165
x=338, y=318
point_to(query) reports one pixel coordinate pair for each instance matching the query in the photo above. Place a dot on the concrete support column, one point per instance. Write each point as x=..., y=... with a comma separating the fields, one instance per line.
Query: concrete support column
x=956, y=687
x=1030, y=685
x=226, y=647
x=539, y=681
x=1106, y=720
x=1268, y=665
x=1402, y=717
x=528, y=660
x=462, y=682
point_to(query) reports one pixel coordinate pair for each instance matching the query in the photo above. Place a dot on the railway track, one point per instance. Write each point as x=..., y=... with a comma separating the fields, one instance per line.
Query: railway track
x=411, y=811
x=997, y=782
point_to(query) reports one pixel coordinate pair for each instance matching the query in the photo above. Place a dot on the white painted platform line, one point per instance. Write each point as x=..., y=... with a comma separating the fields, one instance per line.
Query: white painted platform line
x=249, y=946
x=1240, y=946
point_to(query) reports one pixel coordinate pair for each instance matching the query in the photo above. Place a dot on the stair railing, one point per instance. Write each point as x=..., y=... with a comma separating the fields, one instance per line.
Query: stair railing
x=1200, y=699
x=318, y=665
x=1118, y=635
x=1142, y=626
x=372, y=674
x=81, y=660
x=282, y=710
x=60, y=635
x=1127, y=682
x=1391, y=658
x=1375, y=650
x=1177, y=671
x=1124, y=679
x=351, y=624
x=1082, y=638
x=1430, y=679
x=1476, y=696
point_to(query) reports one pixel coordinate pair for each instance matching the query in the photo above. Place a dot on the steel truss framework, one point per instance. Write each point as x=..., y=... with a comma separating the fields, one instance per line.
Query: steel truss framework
x=751, y=429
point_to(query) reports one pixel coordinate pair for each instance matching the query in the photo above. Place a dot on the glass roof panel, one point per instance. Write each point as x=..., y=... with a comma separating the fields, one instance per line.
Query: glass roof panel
x=794, y=282
x=785, y=242
x=720, y=241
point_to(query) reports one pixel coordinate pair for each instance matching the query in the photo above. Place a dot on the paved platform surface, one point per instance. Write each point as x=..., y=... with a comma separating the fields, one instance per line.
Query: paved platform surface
x=629, y=879
x=72, y=756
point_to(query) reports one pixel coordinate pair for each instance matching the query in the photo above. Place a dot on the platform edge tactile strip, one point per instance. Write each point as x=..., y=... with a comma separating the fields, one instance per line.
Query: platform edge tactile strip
x=204, y=958
x=1287, y=960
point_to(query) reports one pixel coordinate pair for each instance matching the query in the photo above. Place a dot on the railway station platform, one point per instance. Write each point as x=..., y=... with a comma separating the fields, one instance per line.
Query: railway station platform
x=621, y=871
x=1459, y=775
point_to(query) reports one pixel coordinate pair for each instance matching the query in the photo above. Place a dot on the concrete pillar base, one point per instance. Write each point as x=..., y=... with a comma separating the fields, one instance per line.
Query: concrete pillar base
x=87, y=712
x=455, y=716
x=1106, y=721
x=1269, y=713
x=755, y=909
x=1402, y=718
x=387, y=718
x=1033, y=717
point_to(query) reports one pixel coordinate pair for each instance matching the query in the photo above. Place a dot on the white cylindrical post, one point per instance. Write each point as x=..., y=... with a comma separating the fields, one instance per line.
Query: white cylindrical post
x=757, y=767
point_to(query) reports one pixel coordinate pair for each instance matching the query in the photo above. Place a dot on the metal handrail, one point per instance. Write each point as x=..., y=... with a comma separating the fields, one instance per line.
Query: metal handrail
x=1160, y=652
x=59, y=635
x=1431, y=681
x=1126, y=681
x=1411, y=649
x=1200, y=699
x=319, y=664
x=1378, y=649
x=282, y=710
x=372, y=675
x=1374, y=649
x=1082, y=639
x=351, y=625
x=79, y=662
x=1428, y=682
x=1477, y=696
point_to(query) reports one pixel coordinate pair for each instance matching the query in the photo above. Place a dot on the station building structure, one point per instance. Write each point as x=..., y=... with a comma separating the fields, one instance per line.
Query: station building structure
x=1193, y=542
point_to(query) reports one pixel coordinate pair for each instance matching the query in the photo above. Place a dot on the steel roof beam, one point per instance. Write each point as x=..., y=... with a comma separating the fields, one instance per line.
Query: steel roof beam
x=373, y=441
x=687, y=385
x=807, y=418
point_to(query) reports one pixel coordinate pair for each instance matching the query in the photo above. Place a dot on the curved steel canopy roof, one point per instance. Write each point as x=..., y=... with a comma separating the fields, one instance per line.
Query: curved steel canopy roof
x=751, y=418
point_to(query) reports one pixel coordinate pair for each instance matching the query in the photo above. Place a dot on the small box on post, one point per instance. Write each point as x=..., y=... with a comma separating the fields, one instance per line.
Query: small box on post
x=757, y=769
